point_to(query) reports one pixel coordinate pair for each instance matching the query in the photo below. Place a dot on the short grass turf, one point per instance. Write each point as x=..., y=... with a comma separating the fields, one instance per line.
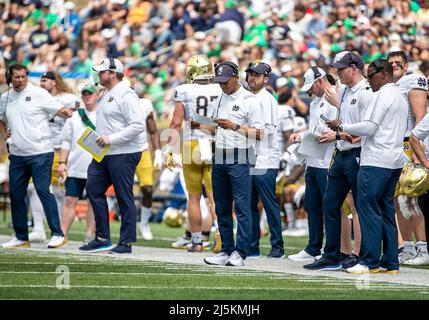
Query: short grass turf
x=33, y=275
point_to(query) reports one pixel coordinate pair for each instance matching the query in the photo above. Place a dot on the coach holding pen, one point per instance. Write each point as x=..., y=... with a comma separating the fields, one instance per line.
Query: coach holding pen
x=120, y=124
x=240, y=119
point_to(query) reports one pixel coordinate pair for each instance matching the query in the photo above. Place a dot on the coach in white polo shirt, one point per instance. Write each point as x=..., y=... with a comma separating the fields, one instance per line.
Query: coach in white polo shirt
x=120, y=124
x=26, y=109
x=382, y=129
x=267, y=164
x=240, y=121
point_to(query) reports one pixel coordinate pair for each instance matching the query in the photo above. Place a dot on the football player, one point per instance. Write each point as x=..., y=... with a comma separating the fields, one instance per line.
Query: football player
x=193, y=99
x=414, y=87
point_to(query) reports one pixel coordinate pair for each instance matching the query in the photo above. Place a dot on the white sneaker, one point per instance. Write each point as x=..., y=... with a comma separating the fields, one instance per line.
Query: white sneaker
x=421, y=259
x=146, y=232
x=302, y=256
x=37, y=236
x=219, y=259
x=16, y=243
x=56, y=242
x=181, y=243
x=235, y=260
x=358, y=269
x=295, y=233
x=405, y=256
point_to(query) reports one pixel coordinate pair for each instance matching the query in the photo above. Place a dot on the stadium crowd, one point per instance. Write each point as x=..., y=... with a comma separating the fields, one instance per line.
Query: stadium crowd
x=155, y=40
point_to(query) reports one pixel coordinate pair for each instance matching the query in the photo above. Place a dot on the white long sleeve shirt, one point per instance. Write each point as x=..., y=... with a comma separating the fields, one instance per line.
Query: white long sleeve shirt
x=78, y=159
x=121, y=117
x=27, y=114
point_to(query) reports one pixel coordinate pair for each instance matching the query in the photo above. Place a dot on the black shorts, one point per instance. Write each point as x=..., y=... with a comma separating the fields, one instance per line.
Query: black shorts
x=75, y=187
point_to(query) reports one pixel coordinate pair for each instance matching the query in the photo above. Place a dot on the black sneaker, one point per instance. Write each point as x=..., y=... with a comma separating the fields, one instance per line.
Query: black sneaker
x=343, y=256
x=351, y=261
x=323, y=264
x=122, y=248
x=97, y=246
x=276, y=254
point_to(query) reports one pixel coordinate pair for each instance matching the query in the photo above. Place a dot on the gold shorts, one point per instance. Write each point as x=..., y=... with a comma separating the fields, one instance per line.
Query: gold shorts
x=55, y=164
x=144, y=170
x=279, y=186
x=194, y=171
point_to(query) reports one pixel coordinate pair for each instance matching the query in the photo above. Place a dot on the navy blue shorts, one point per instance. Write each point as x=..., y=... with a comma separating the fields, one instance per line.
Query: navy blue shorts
x=75, y=187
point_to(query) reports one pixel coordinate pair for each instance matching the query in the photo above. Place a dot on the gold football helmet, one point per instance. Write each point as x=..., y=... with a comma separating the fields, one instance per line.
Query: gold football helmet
x=173, y=218
x=414, y=180
x=199, y=67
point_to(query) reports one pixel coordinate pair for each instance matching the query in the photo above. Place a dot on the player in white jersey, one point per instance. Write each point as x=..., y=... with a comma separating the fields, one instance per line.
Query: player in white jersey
x=55, y=85
x=145, y=167
x=414, y=87
x=194, y=99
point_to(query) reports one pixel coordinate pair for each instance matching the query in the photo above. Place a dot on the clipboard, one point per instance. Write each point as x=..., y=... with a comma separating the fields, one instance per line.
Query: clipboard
x=87, y=142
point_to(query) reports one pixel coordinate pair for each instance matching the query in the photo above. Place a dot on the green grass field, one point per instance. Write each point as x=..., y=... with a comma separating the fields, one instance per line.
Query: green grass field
x=33, y=275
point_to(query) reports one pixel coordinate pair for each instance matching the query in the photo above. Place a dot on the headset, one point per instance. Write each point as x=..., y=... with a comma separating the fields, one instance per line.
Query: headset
x=352, y=60
x=378, y=67
x=112, y=64
x=228, y=63
x=317, y=75
x=9, y=72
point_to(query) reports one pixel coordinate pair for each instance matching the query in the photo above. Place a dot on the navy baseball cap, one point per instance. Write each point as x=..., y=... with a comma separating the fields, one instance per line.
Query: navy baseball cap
x=260, y=68
x=225, y=71
x=345, y=59
x=48, y=75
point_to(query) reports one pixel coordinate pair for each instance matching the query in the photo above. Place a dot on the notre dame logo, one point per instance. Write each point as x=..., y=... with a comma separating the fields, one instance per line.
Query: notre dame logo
x=110, y=99
x=421, y=82
x=235, y=108
x=28, y=98
x=353, y=102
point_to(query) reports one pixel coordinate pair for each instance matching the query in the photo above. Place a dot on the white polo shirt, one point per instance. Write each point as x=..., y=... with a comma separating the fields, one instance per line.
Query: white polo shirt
x=147, y=106
x=197, y=98
x=385, y=147
x=318, y=107
x=79, y=159
x=120, y=116
x=353, y=103
x=27, y=114
x=268, y=153
x=243, y=108
x=406, y=84
x=56, y=124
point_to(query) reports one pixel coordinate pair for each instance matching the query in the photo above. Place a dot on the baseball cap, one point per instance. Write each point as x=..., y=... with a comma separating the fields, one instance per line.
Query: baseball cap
x=310, y=77
x=260, y=68
x=345, y=59
x=88, y=88
x=48, y=75
x=110, y=64
x=225, y=71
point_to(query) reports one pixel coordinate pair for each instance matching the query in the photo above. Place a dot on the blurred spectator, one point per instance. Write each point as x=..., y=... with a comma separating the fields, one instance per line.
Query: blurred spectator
x=155, y=92
x=180, y=23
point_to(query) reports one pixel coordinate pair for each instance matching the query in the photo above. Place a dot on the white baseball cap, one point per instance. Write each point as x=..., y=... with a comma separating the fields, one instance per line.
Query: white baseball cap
x=310, y=78
x=110, y=64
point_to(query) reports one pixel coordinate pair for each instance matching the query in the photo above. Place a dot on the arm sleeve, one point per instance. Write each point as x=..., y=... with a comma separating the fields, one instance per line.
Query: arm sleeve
x=134, y=117
x=364, y=128
x=421, y=131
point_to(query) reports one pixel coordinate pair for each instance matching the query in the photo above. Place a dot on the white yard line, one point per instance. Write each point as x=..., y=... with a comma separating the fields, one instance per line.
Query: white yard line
x=145, y=255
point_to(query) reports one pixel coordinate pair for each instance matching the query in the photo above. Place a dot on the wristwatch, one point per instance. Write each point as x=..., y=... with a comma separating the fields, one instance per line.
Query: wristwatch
x=337, y=136
x=237, y=126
